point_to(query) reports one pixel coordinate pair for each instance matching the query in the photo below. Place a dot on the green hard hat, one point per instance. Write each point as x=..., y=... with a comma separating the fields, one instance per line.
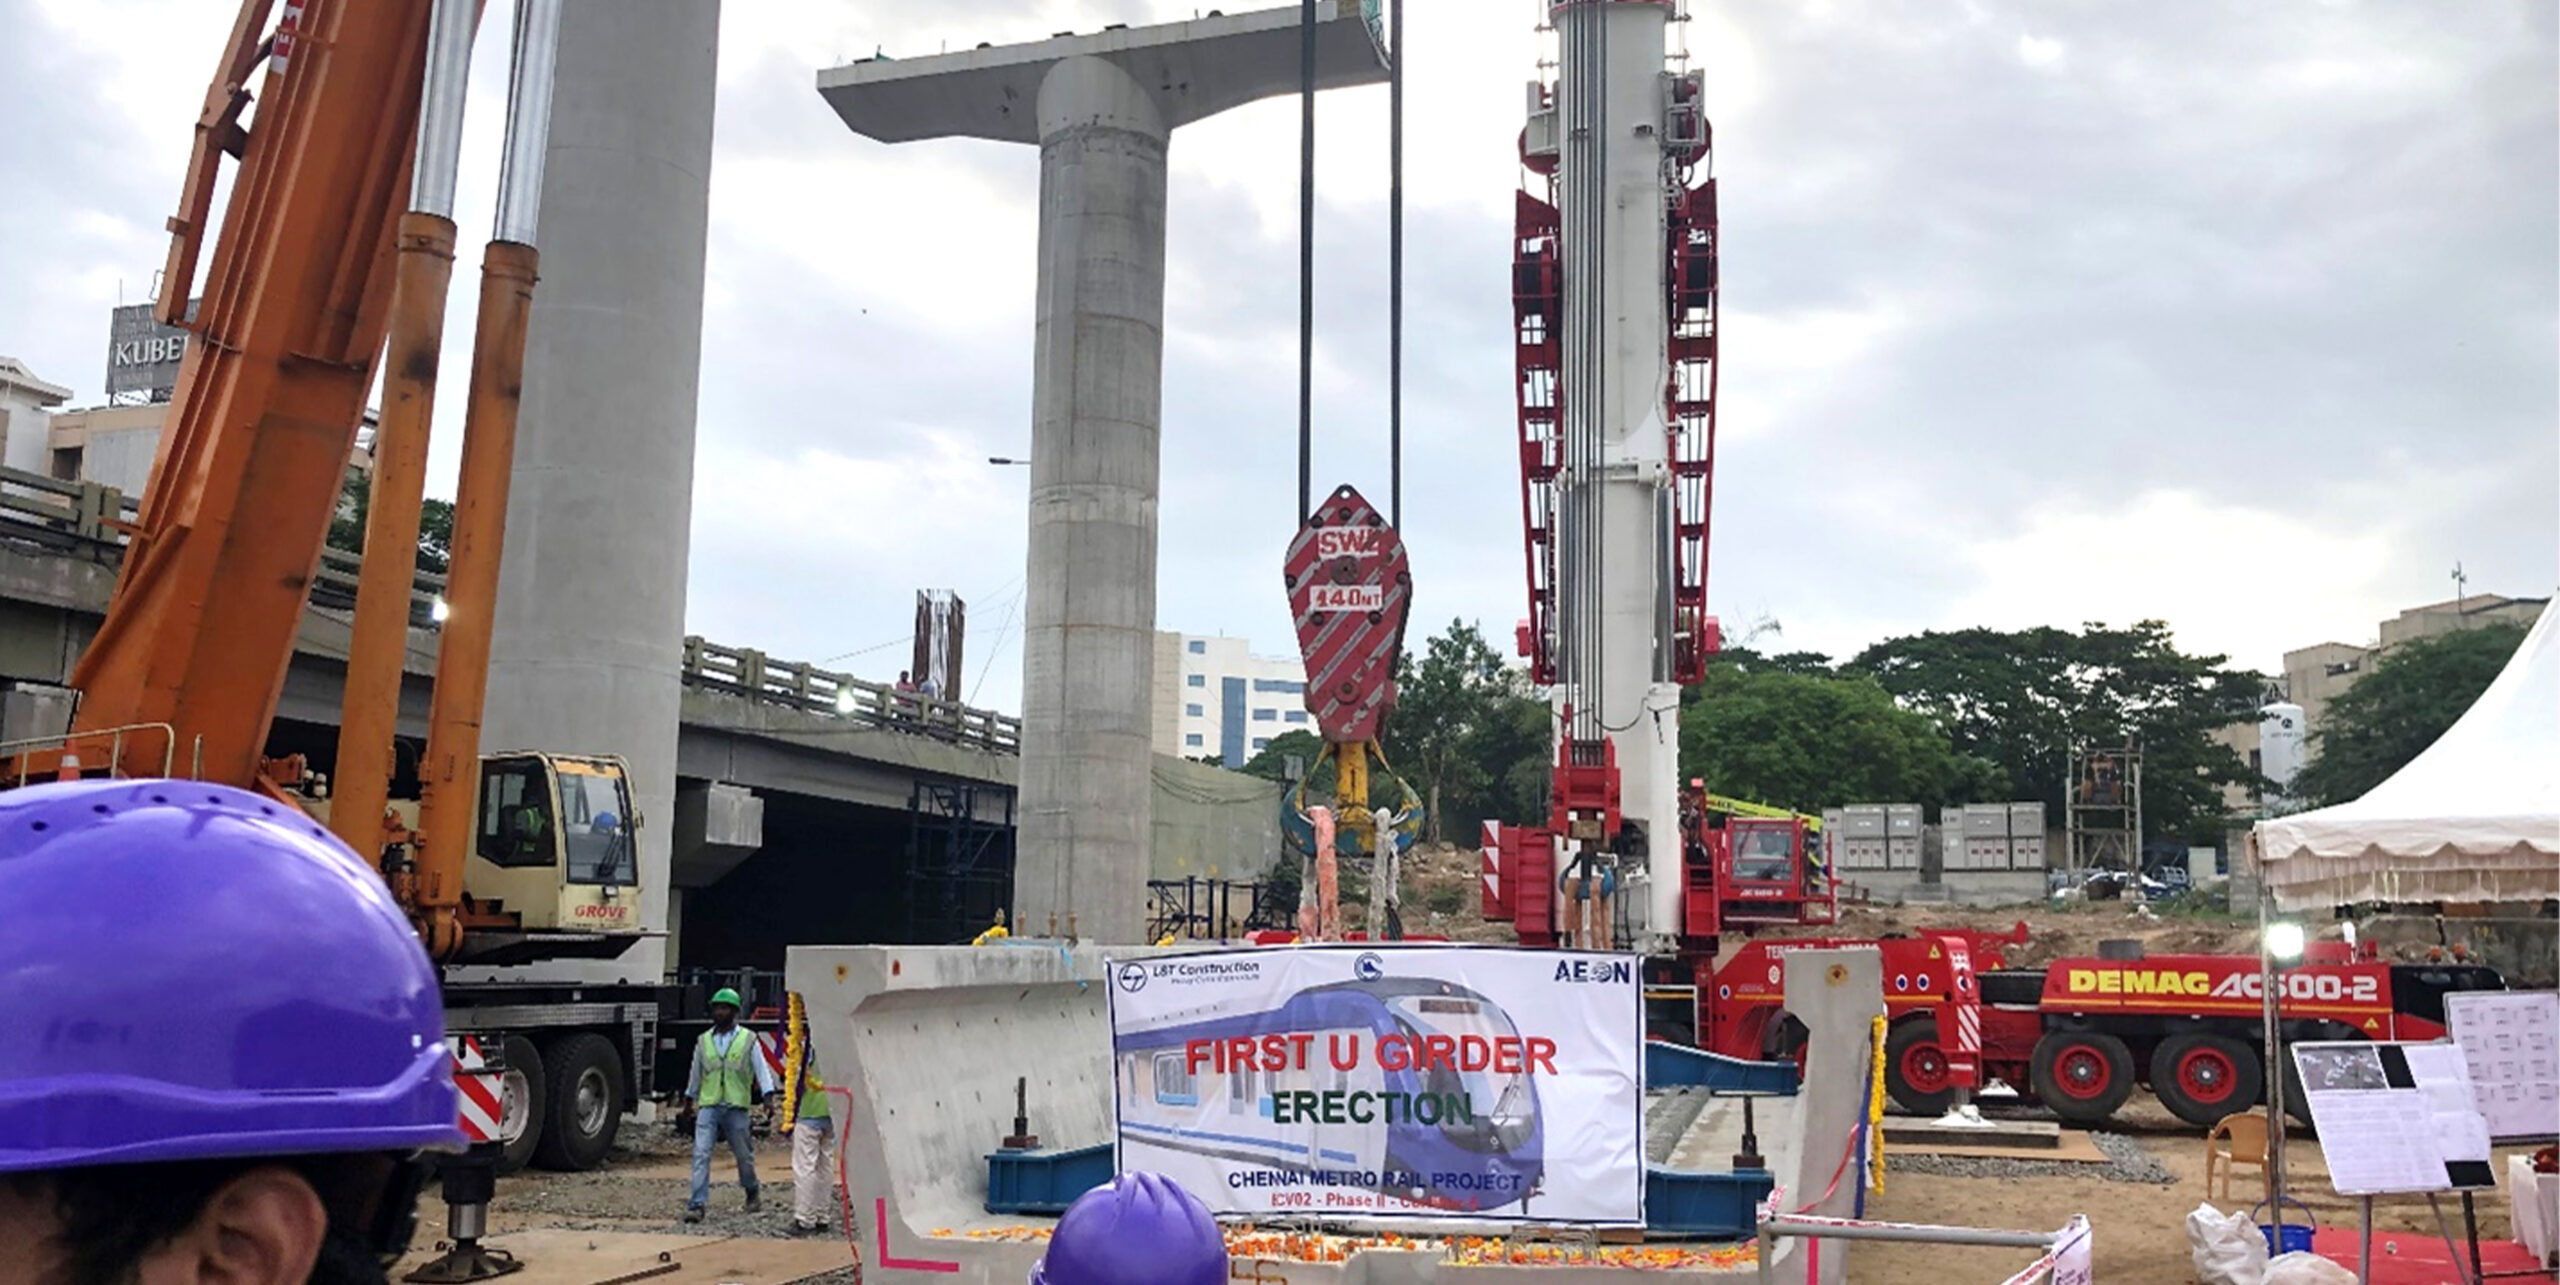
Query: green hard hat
x=724, y=995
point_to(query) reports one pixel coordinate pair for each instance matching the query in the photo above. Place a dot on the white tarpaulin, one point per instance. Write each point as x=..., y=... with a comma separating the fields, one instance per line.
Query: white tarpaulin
x=1386, y=1082
x=2476, y=817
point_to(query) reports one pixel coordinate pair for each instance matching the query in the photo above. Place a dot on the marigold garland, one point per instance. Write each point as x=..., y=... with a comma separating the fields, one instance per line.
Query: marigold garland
x=1323, y=1247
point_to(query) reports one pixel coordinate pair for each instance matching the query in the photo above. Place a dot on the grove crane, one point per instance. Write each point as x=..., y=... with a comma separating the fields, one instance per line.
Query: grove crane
x=338, y=232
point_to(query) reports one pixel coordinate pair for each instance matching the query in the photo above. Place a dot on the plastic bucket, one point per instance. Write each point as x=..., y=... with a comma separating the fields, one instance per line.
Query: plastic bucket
x=2284, y=1237
x=2287, y=1238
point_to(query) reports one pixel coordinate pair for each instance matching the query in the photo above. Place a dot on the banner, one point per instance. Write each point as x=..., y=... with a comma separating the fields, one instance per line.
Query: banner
x=1379, y=1081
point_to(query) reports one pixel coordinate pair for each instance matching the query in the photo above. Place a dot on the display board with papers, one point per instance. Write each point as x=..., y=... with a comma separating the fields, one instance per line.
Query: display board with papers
x=2510, y=1041
x=2394, y=1117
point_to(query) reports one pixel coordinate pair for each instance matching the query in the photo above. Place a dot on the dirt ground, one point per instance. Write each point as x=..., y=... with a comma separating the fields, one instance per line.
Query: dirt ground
x=580, y=1228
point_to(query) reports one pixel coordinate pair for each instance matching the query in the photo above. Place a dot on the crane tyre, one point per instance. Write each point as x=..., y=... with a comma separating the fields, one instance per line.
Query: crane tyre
x=584, y=1098
x=2202, y=1078
x=524, y=1102
x=2082, y=1076
x=1915, y=1066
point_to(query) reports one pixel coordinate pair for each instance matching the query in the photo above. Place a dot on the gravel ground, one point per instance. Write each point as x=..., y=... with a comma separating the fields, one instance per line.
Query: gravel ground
x=613, y=1198
x=609, y=1201
x=2127, y=1161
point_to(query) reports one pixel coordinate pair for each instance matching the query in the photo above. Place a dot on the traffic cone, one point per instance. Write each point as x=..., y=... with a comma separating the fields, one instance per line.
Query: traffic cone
x=70, y=769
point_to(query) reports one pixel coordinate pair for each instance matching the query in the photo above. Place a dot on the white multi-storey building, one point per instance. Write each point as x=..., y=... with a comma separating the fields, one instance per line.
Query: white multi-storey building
x=1214, y=697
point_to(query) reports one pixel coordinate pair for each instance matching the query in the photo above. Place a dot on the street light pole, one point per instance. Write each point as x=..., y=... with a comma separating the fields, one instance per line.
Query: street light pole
x=2278, y=944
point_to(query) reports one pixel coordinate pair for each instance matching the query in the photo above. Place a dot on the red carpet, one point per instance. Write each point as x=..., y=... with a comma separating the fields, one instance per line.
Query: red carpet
x=2408, y=1258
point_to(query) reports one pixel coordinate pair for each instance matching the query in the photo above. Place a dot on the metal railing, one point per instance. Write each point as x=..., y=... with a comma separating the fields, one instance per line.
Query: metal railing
x=810, y=689
x=26, y=750
x=2049, y=1266
x=73, y=516
x=93, y=521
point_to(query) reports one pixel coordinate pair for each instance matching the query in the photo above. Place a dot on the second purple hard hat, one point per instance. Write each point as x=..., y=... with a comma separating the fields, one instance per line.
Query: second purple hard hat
x=1137, y=1229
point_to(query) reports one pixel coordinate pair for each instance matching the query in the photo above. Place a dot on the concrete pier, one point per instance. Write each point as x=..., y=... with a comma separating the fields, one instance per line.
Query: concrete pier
x=591, y=595
x=1102, y=109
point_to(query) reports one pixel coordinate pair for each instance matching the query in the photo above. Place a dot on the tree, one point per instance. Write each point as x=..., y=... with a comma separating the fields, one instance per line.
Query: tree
x=2417, y=691
x=2021, y=700
x=435, y=525
x=1443, y=700
x=1515, y=749
x=1272, y=764
x=1808, y=741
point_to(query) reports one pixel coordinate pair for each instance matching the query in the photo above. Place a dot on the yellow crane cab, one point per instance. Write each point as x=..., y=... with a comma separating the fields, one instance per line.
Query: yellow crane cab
x=557, y=843
x=553, y=867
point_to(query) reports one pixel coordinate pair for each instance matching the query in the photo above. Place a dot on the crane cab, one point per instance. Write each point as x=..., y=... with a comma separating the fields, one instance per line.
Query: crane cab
x=1751, y=863
x=1765, y=877
x=555, y=843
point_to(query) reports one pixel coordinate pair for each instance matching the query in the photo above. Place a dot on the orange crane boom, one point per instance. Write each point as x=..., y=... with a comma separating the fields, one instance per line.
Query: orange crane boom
x=295, y=303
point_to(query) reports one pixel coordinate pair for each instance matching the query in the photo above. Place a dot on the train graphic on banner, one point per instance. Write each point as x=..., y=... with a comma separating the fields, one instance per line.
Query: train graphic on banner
x=1440, y=1107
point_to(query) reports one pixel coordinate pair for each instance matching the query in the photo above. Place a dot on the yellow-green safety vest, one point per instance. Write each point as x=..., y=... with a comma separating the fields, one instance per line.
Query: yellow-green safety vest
x=813, y=1097
x=728, y=1081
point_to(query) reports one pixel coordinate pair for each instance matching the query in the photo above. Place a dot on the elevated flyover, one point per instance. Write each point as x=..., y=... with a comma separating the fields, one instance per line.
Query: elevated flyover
x=790, y=776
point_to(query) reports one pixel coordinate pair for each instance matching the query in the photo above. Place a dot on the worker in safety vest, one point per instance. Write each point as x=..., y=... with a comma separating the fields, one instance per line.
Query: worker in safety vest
x=532, y=825
x=729, y=1078
x=813, y=1177
x=221, y=1045
x=1137, y=1229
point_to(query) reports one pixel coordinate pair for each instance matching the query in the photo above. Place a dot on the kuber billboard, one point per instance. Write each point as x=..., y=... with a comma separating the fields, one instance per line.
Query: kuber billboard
x=1380, y=1081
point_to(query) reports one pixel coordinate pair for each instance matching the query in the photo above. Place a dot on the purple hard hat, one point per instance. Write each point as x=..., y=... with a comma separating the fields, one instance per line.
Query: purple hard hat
x=192, y=971
x=1137, y=1229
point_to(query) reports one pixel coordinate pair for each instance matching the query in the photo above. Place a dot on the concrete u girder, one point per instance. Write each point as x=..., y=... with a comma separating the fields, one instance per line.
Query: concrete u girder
x=1190, y=70
x=1102, y=109
x=921, y=1046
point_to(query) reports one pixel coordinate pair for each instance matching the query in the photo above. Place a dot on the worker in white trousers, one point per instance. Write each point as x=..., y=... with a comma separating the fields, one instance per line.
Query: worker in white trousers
x=813, y=1164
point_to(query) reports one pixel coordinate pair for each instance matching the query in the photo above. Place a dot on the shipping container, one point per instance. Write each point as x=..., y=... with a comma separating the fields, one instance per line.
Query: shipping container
x=1902, y=854
x=1861, y=854
x=2026, y=820
x=1863, y=821
x=1902, y=820
x=2026, y=852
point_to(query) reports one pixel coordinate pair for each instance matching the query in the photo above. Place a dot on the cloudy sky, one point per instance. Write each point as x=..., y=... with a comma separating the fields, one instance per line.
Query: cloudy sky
x=2241, y=315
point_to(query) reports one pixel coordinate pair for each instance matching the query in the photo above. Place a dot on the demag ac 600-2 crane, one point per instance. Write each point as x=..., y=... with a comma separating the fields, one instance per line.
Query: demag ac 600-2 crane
x=339, y=229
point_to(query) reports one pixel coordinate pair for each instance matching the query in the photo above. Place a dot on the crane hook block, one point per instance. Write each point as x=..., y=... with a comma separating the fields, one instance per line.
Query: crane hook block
x=1349, y=590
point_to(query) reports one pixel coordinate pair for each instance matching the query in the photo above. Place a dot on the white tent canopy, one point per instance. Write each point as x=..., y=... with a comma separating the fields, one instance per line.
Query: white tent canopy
x=2476, y=817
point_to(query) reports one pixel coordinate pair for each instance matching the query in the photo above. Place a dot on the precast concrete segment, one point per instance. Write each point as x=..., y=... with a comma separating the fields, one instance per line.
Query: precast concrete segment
x=1102, y=108
x=1837, y=994
x=920, y=1047
x=591, y=594
x=926, y=1043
